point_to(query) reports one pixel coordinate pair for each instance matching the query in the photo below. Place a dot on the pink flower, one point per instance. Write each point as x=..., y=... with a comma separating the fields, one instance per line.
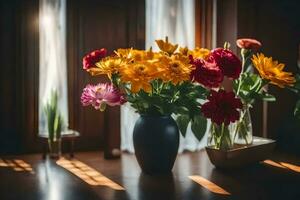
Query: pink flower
x=222, y=107
x=107, y=93
x=93, y=57
x=228, y=62
x=247, y=43
x=207, y=73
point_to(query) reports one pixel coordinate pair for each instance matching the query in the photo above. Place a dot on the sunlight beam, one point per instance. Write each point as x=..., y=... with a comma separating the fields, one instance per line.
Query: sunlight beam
x=16, y=165
x=283, y=165
x=87, y=174
x=212, y=187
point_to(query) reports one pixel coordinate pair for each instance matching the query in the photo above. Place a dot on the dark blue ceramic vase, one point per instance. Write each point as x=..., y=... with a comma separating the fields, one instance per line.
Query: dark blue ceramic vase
x=156, y=141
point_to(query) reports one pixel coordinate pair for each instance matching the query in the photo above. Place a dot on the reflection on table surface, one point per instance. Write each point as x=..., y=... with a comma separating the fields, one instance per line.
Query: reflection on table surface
x=89, y=176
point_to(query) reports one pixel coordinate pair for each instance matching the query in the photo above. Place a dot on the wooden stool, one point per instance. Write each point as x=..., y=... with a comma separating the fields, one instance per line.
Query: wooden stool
x=68, y=135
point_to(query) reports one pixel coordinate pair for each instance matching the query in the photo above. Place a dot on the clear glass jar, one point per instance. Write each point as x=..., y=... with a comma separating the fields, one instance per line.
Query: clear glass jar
x=220, y=137
x=54, y=148
x=243, y=134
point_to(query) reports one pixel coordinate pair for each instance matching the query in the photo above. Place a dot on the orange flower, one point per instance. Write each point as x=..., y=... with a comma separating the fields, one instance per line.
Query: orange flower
x=139, y=75
x=200, y=53
x=247, y=43
x=165, y=46
x=136, y=55
x=176, y=68
x=272, y=70
x=108, y=66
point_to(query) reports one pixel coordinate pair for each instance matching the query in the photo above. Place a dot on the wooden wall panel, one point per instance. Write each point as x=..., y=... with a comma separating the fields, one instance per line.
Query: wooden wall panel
x=227, y=23
x=8, y=132
x=19, y=76
x=92, y=25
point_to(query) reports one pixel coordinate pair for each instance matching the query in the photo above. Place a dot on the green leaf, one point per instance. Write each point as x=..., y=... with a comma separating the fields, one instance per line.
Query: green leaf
x=297, y=109
x=297, y=84
x=251, y=88
x=182, y=122
x=257, y=82
x=199, y=124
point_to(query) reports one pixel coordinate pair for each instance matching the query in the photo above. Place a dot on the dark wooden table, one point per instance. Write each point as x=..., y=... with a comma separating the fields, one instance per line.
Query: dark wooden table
x=88, y=176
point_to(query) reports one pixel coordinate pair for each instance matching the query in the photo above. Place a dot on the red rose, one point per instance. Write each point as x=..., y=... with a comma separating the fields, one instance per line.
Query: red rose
x=93, y=57
x=222, y=107
x=247, y=43
x=207, y=73
x=228, y=62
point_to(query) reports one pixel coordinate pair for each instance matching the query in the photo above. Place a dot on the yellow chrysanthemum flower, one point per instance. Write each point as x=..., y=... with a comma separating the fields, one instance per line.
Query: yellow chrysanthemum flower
x=136, y=55
x=165, y=46
x=200, y=53
x=272, y=70
x=139, y=75
x=177, y=68
x=184, y=51
x=123, y=53
x=131, y=54
x=108, y=66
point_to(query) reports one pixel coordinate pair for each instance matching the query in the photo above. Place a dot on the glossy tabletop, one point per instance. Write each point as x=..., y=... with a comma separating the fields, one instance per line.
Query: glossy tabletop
x=88, y=176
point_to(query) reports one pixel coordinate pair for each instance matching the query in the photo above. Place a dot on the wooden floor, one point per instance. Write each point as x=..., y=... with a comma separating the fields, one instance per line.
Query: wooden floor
x=89, y=177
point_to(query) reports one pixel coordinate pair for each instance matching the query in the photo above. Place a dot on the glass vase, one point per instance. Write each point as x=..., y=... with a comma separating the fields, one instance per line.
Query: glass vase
x=54, y=148
x=243, y=134
x=220, y=137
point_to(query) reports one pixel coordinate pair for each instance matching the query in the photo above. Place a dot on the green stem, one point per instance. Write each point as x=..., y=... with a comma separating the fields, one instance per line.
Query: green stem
x=161, y=87
x=241, y=128
x=221, y=137
x=244, y=133
x=240, y=78
x=214, y=135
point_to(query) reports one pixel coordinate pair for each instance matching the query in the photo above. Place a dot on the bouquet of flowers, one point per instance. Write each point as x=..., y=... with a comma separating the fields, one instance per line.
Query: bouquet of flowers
x=224, y=107
x=154, y=83
x=187, y=83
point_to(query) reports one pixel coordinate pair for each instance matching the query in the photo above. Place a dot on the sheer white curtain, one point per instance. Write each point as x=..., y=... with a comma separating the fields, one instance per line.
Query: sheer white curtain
x=53, y=67
x=175, y=19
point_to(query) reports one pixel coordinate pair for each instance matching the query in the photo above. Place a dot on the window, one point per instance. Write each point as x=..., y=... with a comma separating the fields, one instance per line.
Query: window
x=52, y=64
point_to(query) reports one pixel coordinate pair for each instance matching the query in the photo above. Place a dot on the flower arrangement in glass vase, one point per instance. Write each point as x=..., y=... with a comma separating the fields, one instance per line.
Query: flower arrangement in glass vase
x=253, y=86
x=229, y=111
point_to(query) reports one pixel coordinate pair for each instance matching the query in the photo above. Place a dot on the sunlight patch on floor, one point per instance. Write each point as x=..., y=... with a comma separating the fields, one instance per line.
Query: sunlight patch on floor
x=16, y=165
x=209, y=185
x=283, y=165
x=87, y=173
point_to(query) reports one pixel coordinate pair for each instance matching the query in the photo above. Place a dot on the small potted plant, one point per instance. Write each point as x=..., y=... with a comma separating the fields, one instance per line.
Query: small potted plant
x=54, y=123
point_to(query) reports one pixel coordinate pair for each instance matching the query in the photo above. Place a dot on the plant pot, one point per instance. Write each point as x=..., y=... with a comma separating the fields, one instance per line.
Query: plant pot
x=259, y=150
x=156, y=142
